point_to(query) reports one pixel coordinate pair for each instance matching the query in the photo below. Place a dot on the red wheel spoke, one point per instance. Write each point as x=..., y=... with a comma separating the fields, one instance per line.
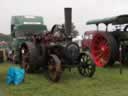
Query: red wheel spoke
x=100, y=50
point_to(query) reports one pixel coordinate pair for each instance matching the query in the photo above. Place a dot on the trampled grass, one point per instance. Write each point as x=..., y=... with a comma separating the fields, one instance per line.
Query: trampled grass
x=105, y=82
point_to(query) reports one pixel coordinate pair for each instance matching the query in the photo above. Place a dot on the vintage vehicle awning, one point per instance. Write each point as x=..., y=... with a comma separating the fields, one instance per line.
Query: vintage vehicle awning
x=121, y=19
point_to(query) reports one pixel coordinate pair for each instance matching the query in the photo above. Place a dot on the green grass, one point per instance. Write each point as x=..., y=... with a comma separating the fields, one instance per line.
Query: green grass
x=105, y=82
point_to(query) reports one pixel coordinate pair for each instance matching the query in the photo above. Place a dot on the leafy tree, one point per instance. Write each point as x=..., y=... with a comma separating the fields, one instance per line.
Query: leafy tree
x=74, y=32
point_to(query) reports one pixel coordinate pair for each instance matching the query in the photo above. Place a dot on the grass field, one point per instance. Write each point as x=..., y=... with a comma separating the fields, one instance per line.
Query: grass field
x=105, y=82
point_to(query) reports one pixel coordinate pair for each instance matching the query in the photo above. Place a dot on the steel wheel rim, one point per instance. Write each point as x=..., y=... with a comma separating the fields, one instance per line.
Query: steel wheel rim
x=86, y=66
x=54, y=70
x=100, y=50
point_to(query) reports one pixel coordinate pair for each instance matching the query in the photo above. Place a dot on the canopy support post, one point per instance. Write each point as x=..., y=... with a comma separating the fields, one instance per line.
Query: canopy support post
x=97, y=26
x=106, y=27
x=121, y=63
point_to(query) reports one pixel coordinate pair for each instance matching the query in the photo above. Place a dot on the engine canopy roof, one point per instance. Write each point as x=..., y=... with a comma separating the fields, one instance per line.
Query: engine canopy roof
x=116, y=20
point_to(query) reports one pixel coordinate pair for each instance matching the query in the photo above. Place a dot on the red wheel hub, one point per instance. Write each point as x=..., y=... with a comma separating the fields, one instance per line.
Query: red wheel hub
x=100, y=50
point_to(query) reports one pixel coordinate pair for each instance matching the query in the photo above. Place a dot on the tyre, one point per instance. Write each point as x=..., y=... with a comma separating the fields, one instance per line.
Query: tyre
x=54, y=68
x=103, y=49
x=87, y=67
x=32, y=56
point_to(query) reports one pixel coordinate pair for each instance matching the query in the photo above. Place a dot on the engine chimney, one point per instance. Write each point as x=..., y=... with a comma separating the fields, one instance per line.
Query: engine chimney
x=68, y=21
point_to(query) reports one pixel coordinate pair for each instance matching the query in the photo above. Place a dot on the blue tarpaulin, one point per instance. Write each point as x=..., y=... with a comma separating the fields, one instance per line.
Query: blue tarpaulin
x=15, y=75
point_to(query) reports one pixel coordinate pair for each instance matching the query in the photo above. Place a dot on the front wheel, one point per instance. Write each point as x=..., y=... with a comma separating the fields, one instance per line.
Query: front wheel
x=54, y=68
x=87, y=67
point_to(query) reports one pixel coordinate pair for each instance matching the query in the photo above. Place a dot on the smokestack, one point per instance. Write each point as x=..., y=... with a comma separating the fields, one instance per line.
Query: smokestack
x=68, y=21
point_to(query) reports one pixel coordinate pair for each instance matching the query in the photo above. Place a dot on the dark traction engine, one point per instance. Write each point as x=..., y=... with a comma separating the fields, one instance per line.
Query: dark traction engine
x=54, y=51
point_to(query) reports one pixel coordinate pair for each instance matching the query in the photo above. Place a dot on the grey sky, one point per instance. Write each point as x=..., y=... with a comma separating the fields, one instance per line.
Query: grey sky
x=53, y=11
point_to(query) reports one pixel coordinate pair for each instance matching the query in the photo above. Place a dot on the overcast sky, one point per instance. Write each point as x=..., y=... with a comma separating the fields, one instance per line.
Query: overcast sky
x=53, y=11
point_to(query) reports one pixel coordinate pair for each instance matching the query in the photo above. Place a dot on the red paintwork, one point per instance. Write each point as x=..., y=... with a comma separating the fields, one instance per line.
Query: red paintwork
x=97, y=49
x=51, y=38
x=86, y=43
x=100, y=50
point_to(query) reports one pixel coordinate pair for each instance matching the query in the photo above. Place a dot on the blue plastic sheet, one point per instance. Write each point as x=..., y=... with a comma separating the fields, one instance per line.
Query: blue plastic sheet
x=15, y=75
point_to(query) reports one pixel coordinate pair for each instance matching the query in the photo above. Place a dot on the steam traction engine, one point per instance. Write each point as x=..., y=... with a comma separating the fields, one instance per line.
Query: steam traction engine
x=106, y=47
x=54, y=51
x=63, y=53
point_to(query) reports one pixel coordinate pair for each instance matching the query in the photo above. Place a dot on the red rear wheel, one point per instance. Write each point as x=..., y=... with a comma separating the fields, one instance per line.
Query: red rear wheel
x=103, y=49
